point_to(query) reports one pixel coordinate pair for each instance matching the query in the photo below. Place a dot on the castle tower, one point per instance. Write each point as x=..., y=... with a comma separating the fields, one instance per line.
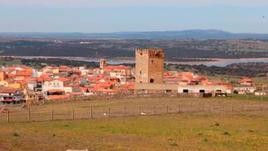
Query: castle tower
x=103, y=63
x=149, y=65
x=2, y=76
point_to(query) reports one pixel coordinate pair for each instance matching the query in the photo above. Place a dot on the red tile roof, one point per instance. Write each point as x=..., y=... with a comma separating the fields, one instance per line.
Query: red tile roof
x=111, y=68
x=24, y=73
x=245, y=80
x=8, y=90
x=63, y=79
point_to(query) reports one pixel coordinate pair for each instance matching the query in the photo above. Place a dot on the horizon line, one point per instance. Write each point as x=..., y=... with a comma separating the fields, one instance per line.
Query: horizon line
x=115, y=32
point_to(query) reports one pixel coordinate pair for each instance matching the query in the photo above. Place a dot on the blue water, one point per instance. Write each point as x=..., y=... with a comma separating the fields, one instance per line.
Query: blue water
x=215, y=62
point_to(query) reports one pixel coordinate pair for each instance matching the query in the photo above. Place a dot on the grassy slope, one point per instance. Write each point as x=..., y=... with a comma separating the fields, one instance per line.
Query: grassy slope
x=244, y=131
x=169, y=132
x=133, y=107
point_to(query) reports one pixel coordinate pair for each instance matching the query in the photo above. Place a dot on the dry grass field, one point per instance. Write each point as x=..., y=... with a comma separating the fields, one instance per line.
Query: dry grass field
x=112, y=107
x=238, y=123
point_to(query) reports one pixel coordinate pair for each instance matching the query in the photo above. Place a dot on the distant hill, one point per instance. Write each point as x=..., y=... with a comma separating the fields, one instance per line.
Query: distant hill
x=186, y=34
x=114, y=48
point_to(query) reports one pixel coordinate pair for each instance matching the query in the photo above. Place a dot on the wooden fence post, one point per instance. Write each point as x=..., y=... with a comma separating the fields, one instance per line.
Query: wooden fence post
x=73, y=115
x=29, y=114
x=52, y=115
x=8, y=116
x=109, y=111
x=167, y=109
x=91, y=112
x=124, y=111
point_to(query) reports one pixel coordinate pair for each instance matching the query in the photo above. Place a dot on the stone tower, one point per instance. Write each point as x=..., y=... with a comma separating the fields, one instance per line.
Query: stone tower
x=2, y=76
x=149, y=65
x=103, y=63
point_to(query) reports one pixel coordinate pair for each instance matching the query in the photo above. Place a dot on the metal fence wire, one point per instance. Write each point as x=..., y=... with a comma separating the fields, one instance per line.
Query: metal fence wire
x=94, y=112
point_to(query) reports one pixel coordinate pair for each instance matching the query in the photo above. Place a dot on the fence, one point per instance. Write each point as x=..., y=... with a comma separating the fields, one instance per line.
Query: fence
x=94, y=112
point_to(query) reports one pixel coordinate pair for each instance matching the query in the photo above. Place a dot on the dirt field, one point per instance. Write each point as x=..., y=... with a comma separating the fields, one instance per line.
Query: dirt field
x=190, y=124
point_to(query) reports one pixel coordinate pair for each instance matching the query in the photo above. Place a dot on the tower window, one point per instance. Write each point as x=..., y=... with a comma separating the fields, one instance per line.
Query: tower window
x=185, y=91
x=158, y=55
x=151, y=80
x=201, y=91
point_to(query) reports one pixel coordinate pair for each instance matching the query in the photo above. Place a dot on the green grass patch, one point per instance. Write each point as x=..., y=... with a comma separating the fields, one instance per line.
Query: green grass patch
x=169, y=132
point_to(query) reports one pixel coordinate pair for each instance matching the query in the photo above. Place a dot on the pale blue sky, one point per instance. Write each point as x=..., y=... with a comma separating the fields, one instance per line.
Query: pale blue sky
x=249, y=16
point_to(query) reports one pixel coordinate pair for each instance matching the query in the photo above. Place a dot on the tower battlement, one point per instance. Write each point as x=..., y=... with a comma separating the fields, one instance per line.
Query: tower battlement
x=151, y=52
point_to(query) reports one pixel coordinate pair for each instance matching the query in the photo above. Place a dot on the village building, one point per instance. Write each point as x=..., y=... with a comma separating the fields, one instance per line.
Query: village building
x=246, y=86
x=84, y=71
x=246, y=81
x=54, y=88
x=50, y=70
x=3, y=83
x=244, y=90
x=214, y=90
x=10, y=95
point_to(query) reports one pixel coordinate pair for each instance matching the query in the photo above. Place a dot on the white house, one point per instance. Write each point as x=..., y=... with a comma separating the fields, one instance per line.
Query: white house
x=196, y=89
x=245, y=89
x=55, y=85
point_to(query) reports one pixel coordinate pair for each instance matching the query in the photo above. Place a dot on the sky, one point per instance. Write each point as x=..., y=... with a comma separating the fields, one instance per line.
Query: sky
x=101, y=16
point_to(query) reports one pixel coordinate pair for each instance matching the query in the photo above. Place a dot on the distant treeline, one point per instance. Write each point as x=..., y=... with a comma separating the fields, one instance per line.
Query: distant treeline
x=39, y=63
x=125, y=48
x=240, y=69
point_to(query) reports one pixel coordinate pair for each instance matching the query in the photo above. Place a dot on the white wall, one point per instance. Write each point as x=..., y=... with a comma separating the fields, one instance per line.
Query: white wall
x=55, y=84
x=197, y=88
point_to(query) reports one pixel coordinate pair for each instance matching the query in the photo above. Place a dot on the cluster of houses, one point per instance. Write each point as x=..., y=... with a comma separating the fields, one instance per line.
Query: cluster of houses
x=22, y=83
